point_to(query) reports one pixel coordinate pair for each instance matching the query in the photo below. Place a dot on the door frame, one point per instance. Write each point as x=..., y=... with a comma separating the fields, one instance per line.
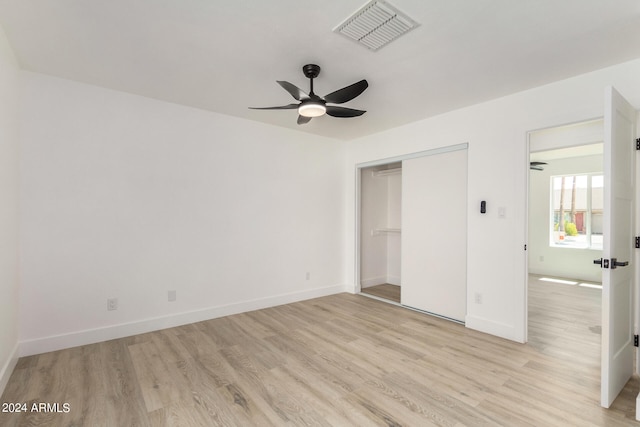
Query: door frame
x=526, y=204
x=380, y=162
x=636, y=305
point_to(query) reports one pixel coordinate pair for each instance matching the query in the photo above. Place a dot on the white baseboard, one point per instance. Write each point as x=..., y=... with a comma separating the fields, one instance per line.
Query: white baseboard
x=638, y=407
x=8, y=368
x=393, y=280
x=353, y=289
x=491, y=327
x=91, y=336
x=373, y=281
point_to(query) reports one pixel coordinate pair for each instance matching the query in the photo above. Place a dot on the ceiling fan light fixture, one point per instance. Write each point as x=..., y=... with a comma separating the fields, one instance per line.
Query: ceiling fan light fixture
x=312, y=105
x=312, y=109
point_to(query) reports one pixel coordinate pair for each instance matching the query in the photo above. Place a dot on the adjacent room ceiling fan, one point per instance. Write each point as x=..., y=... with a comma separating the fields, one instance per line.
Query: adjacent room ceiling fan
x=312, y=105
x=537, y=166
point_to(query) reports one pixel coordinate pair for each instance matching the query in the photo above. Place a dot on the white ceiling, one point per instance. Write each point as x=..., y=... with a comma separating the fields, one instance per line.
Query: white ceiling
x=226, y=55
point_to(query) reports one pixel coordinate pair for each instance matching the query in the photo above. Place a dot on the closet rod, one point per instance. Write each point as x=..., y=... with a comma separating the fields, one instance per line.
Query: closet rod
x=377, y=231
x=385, y=172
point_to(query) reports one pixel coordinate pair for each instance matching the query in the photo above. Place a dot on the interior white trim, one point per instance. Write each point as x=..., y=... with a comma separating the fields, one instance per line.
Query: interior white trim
x=91, y=336
x=394, y=280
x=432, y=152
x=373, y=281
x=8, y=368
x=487, y=326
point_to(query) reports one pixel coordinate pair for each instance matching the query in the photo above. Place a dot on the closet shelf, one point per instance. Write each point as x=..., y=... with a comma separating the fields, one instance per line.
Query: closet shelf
x=377, y=231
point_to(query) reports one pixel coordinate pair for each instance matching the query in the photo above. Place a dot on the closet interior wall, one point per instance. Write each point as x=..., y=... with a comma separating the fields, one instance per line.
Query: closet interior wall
x=380, y=193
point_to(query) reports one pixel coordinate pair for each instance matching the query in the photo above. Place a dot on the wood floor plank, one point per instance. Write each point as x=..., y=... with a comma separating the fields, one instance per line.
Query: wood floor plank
x=444, y=399
x=160, y=380
x=386, y=291
x=122, y=390
x=337, y=360
x=180, y=414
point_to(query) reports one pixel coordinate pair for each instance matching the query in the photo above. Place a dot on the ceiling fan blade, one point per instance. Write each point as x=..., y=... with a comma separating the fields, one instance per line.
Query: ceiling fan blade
x=294, y=90
x=283, y=107
x=537, y=166
x=302, y=120
x=347, y=93
x=343, y=111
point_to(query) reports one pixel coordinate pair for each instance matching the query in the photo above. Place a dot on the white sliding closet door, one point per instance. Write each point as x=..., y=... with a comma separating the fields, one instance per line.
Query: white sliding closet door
x=434, y=234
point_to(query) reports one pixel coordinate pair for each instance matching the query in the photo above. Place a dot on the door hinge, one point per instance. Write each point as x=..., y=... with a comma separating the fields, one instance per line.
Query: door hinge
x=636, y=340
x=638, y=144
x=637, y=242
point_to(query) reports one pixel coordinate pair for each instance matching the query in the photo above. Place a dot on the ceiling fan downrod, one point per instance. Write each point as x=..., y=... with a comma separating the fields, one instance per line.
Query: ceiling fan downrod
x=311, y=71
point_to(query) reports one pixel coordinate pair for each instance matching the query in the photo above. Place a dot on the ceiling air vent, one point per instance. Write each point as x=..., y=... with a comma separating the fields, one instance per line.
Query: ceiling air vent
x=376, y=24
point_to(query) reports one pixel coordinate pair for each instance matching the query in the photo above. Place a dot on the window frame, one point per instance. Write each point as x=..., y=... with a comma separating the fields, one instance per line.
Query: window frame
x=588, y=213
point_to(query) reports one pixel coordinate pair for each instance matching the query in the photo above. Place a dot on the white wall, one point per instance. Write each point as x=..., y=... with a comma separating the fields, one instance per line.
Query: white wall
x=127, y=197
x=394, y=221
x=380, y=201
x=555, y=261
x=498, y=165
x=373, y=215
x=9, y=125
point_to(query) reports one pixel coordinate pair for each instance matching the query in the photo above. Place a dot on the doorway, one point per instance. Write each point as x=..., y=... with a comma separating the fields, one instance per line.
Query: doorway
x=380, y=237
x=619, y=311
x=565, y=236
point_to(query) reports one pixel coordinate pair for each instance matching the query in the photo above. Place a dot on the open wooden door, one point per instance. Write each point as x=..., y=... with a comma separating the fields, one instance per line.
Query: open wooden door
x=617, y=255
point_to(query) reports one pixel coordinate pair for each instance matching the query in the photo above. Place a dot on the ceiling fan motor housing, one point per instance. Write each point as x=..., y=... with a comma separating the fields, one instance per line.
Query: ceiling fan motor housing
x=311, y=71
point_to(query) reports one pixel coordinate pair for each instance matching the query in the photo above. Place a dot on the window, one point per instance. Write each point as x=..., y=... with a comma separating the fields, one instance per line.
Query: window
x=576, y=211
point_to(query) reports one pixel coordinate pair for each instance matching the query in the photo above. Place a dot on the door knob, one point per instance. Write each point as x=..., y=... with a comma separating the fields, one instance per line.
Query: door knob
x=598, y=261
x=615, y=263
x=604, y=263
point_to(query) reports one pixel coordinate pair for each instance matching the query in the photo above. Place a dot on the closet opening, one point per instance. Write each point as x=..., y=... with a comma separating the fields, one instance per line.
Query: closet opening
x=411, y=233
x=380, y=231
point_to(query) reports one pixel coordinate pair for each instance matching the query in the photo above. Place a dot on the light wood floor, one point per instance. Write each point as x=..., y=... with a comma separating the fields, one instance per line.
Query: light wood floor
x=342, y=360
x=386, y=291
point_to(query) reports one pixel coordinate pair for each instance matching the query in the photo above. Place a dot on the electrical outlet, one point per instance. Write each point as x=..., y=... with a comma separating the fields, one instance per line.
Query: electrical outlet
x=112, y=304
x=478, y=298
x=172, y=296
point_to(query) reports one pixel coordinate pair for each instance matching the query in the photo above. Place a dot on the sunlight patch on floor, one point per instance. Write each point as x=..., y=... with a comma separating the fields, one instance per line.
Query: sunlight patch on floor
x=590, y=285
x=564, y=282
